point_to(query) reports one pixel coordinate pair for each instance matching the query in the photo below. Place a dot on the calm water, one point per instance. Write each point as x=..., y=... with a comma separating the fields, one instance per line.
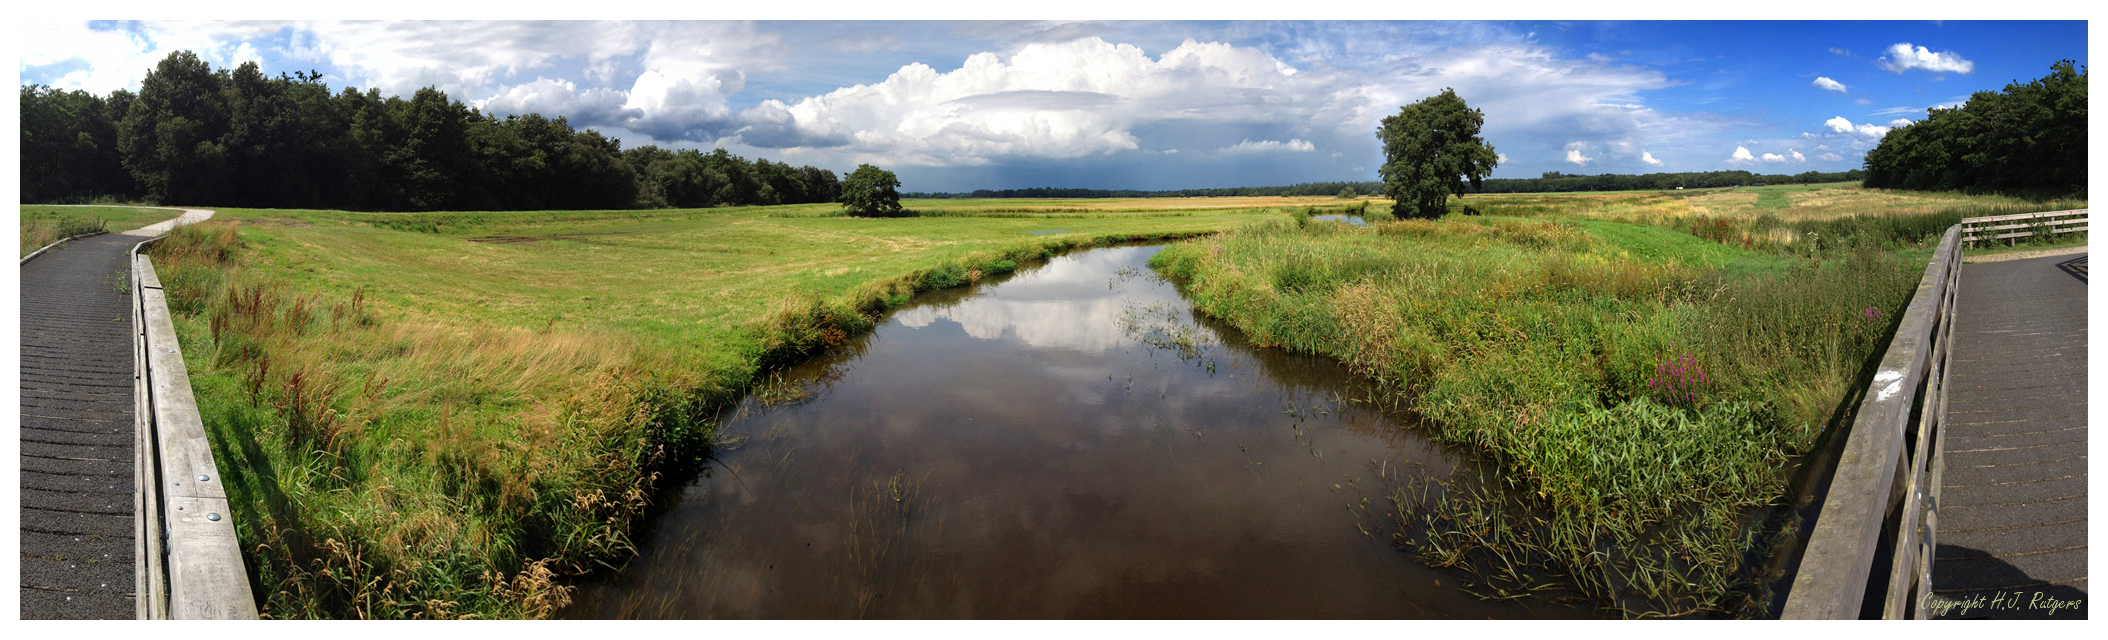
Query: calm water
x=1068, y=442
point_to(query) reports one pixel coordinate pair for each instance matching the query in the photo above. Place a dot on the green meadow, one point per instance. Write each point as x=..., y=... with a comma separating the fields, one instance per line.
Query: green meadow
x=442, y=415
x=457, y=414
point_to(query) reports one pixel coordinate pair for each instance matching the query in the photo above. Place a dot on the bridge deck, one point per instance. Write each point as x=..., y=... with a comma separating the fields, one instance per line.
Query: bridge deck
x=2012, y=523
x=77, y=411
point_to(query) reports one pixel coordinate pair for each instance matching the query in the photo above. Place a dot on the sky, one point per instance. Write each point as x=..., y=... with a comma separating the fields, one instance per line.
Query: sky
x=958, y=106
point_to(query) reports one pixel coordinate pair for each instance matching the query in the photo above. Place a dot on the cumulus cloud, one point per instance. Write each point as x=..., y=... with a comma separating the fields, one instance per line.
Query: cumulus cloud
x=1066, y=97
x=1573, y=153
x=551, y=97
x=1841, y=125
x=1899, y=122
x=1903, y=57
x=1828, y=84
x=1649, y=159
x=1741, y=156
x=1268, y=146
x=1830, y=157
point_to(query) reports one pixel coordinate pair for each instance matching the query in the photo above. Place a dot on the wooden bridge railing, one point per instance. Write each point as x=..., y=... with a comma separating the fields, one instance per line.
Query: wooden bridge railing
x=2021, y=225
x=1885, y=493
x=189, y=562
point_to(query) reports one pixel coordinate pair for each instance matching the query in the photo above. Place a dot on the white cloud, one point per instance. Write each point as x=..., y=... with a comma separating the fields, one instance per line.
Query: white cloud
x=1902, y=57
x=1501, y=158
x=1899, y=122
x=1741, y=156
x=1268, y=146
x=1573, y=153
x=677, y=84
x=1828, y=84
x=1829, y=157
x=1841, y=125
x=1649, y=159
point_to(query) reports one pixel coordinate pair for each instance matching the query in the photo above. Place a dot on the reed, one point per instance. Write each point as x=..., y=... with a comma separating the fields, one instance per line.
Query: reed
x=1534, y=344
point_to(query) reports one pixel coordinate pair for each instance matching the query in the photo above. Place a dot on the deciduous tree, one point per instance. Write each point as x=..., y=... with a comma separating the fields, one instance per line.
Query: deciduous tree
x=871, y=191
x=1430, y=149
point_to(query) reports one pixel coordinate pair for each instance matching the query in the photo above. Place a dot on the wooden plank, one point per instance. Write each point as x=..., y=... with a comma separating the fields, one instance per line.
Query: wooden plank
x=2037, y=225
x=2024, y=216
x=206, y=576
x=152, y=561
x=142, y=427
x=186, y=454
x=1840, y=551
x=202, y=584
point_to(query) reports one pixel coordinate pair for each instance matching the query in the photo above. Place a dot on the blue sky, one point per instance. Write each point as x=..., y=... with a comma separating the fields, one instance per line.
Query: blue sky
x=956, y=106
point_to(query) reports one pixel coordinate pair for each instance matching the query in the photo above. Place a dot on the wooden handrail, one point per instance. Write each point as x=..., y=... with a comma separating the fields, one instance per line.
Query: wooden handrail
x=1885, y=491
x=190, y=564
x=2044, y=222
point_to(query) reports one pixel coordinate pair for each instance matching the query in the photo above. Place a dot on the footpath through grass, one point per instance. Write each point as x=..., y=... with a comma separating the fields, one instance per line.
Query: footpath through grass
x=1639, y=390
x=43, y=225
x=442, y=415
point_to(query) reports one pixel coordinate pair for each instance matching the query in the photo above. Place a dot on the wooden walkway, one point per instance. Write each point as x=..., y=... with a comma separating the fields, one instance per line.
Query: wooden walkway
x=77, y=433
x=2012, y=526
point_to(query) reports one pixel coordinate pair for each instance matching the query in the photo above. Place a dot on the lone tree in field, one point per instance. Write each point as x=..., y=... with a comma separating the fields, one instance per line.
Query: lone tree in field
x=871, y=191
x=1429, y=149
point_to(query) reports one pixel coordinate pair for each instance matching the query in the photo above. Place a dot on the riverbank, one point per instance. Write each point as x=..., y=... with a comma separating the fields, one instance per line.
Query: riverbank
x=1638, y=392
x=452, y=415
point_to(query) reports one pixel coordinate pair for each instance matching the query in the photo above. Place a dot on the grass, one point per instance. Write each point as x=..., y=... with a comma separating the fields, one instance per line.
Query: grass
x=43, y=225
x=446, y=415
x=1549, y=347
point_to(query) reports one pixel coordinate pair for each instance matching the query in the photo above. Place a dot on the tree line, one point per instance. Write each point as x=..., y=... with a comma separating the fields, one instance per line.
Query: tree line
x=2029, y=138
x=1306, y=189
x=1549, y=182
x=1556, y=181
x=195, y=135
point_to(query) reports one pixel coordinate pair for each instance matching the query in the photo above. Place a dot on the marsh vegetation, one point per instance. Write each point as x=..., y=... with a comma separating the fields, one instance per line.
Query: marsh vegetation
x=469, y=414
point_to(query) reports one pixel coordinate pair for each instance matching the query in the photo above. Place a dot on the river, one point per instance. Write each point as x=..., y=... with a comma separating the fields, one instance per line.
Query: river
x=1066, y=442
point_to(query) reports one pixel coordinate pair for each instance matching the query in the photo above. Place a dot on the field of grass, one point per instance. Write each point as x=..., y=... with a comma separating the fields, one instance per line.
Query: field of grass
x=444, y=414
x=447, y=414
x=43, y=225
x=1639, y=388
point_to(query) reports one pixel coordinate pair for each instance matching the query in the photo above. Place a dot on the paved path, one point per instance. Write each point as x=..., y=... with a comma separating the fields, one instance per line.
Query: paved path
x=77, y=484
x=77, y=428
x=2012, y=526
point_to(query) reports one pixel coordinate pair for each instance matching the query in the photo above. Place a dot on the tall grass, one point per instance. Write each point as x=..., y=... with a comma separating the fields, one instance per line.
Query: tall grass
x=40, y=229
x=1534, y=343
x=387, y=465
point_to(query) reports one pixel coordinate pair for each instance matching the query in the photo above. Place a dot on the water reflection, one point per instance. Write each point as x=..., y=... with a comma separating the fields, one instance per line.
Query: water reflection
x=1069, y=442
x=1339, y=217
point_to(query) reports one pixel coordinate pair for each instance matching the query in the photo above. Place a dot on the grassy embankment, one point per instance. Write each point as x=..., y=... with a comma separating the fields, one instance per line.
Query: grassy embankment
x=43, y=225
x=443, y=414
x=1638, y=389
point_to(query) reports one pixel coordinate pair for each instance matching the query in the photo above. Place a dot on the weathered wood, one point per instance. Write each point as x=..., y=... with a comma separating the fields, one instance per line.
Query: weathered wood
x=1838, y=561
x=2024, y=216
x=206, y=578
x=151, y=578
x=2068, y=221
